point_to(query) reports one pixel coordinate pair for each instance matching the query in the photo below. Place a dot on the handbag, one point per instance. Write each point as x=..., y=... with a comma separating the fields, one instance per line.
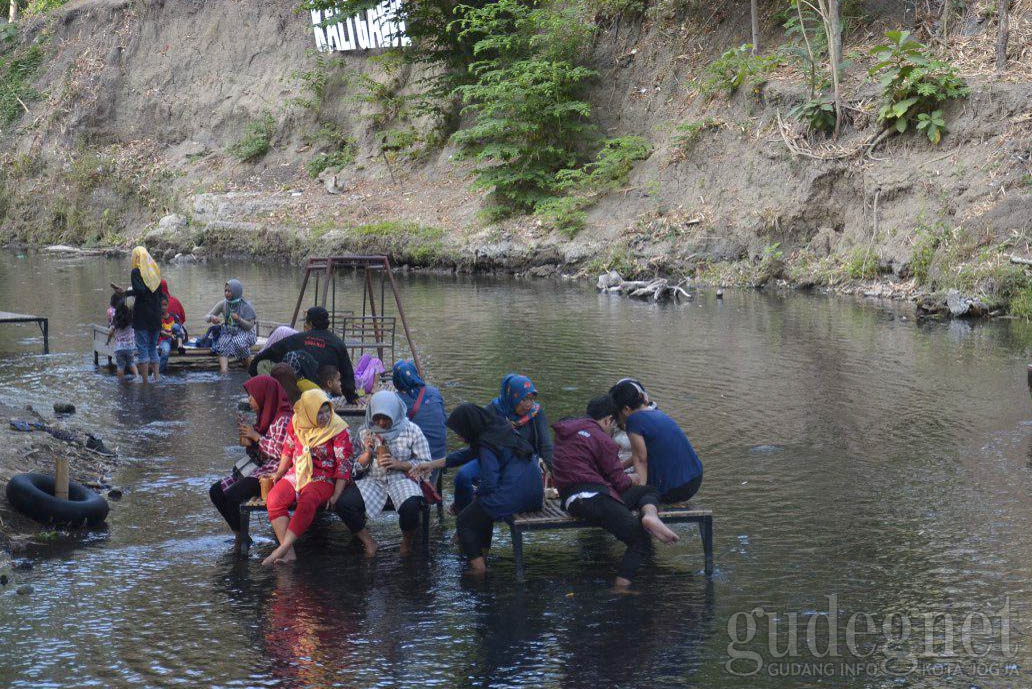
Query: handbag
x=244, y=467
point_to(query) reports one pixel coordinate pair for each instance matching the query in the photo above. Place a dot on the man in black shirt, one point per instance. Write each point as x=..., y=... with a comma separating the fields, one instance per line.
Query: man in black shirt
x=316, y=339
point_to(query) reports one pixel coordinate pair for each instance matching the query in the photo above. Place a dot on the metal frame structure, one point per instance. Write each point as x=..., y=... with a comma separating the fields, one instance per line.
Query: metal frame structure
x=325, y=269
x=42, y=322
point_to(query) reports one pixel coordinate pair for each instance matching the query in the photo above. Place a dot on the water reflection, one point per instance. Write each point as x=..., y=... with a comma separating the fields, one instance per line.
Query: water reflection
x=847, y=451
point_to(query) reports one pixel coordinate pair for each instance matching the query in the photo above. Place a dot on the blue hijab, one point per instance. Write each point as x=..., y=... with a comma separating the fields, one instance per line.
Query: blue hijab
x=515, y=388
x=406, y=378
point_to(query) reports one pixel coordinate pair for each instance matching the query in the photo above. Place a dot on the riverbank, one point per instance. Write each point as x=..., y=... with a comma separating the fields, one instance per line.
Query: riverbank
x=36, y=451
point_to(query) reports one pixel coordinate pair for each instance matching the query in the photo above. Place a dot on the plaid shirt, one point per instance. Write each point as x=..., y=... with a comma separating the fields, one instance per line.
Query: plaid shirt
x=378, y=483
x=270, y=447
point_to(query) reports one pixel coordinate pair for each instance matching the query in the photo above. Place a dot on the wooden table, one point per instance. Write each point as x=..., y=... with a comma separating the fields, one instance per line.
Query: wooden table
x=43, y=323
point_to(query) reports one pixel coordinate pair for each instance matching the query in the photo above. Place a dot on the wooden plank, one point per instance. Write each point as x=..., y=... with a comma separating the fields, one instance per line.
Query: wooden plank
x=11, y=317
x=553, y=514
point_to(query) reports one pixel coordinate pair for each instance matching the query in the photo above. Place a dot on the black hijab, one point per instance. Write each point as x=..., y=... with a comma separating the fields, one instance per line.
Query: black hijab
x=481, y=427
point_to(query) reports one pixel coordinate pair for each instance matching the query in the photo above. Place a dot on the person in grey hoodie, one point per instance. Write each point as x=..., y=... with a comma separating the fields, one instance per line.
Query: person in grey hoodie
x=593, y=487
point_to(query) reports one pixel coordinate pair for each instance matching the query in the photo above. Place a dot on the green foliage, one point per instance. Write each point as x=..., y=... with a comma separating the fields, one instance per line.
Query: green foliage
x=817, y=113
x=16, y=83
x=926, y=243
x=1021, y=304
x=604, y=9
x=862, y=264
x=41, y=7
x=255, y=141
x=396, y=141
x=526, y=105
x=609, y=170
x=913, y=83
x=321, y=161
x=689, y=133
x=735, y=68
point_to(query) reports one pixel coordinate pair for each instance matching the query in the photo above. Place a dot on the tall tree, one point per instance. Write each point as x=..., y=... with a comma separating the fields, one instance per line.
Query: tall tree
x=755, y=14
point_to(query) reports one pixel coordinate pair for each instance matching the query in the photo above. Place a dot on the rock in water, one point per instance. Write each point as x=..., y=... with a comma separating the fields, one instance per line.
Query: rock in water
x=963, y=307
x=25, y=589
x=64, y=408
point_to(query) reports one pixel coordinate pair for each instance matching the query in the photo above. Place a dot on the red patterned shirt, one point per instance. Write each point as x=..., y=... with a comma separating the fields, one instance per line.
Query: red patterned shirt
x=330, y=461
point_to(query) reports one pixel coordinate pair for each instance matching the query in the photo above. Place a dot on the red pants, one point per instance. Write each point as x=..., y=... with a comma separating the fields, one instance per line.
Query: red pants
x=283, y=496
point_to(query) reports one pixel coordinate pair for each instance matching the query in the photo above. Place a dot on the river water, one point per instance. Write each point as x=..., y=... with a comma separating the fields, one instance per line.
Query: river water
x=849, y=451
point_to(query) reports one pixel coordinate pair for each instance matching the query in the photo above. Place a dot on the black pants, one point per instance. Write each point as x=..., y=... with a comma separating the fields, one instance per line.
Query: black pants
x=618, y=519
x=475, y=529
x=683, y=492
x=350, y=507
x=228, y=501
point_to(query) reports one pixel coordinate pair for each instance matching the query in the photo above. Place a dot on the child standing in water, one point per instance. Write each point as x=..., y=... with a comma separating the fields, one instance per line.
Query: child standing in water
x=125, y=339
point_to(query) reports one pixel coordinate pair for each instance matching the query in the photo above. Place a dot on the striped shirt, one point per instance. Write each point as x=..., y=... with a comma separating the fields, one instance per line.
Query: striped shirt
x=378, y=483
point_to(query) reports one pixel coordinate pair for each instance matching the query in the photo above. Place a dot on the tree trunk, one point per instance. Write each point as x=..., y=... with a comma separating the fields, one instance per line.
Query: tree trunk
x=1002, y=38
x=755, y=12
x=13, y=14
x=835, y=46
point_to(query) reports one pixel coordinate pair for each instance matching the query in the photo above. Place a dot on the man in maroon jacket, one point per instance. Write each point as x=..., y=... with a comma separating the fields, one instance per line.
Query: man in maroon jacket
x=593, y=486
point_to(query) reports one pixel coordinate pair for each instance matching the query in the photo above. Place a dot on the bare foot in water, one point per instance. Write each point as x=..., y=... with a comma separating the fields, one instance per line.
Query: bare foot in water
x=280, y=554
x=656, y=527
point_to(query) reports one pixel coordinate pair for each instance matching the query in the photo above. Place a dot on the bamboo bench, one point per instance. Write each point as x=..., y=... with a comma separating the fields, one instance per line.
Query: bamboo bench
x=553, y=516
x=256, y=504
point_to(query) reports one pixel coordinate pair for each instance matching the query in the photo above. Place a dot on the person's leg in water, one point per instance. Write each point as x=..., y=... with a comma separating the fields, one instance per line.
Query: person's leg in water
x=278, y=503
x=223, y=364
x=408, y=520
x=350, y=507
x=164, y=351
x=227, y=501
x=616, y=518
x=466, y=478
x=474, y=529
x=314, y=494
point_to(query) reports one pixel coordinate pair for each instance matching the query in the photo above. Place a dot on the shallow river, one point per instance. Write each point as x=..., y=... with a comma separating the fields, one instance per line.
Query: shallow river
x=849, y=452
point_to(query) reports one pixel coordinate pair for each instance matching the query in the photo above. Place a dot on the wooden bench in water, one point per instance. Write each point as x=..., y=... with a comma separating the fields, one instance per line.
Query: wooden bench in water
x=256, y=504
x=43, y=323
x=553, y=516
x=198, y=357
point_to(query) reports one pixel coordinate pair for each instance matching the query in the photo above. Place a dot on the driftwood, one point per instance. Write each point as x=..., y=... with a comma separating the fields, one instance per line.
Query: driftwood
x=657, y=289
x=1020, y=261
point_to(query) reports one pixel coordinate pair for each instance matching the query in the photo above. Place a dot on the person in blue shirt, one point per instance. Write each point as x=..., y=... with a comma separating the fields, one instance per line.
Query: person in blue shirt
x=510, y=480
x=425, y=406
x=661, y=454
x=516, y=403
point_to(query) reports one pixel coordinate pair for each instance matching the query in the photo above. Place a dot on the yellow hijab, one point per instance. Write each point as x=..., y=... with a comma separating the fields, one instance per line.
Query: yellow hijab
x=304, y=385
x=149, y=270
x=310, y=433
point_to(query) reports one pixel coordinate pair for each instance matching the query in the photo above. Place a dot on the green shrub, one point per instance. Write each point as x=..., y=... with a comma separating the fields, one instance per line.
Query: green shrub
x=16, y=83
x=616, y=8
x=1021, y=304
x=817, y=113
x=913, y=84
x=255, y=141
x=735, y=68
x=862, y=264
x=41, y=7
x=926, y=243
x=526, y=102
x=608, y=171
x=321, y=161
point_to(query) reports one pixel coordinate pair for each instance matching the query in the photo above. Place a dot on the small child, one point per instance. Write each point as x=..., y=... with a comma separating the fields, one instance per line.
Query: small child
x=116, y=299
x=169, y=336
x=125, y=339
x=328, y=378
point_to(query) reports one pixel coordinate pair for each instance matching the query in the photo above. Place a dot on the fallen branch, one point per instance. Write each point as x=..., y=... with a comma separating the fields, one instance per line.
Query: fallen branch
x=1020, y=261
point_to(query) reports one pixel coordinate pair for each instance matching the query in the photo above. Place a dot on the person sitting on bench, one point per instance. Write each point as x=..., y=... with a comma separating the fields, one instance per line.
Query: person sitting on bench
x=517, y=403
x=661, y=454
x=392, y=446
x=425, y=406
x=510, y=479
x=318, y=448
x=594, y=488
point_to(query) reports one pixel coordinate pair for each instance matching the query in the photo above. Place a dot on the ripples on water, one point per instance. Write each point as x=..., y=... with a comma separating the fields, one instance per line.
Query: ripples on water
x=848, y=451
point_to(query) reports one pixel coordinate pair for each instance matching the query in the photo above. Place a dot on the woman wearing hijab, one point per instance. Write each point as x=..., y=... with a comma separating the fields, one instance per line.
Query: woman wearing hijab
x=318, y=449
x=516, y=403
x=275, y=336
x=510, y=480
x=425, y=406
x=145, y=282
x=392, y=446
x=237, y=318
x=264, y=442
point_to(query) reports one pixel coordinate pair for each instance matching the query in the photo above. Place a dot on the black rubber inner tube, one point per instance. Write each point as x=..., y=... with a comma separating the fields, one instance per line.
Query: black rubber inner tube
x=33, y=496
